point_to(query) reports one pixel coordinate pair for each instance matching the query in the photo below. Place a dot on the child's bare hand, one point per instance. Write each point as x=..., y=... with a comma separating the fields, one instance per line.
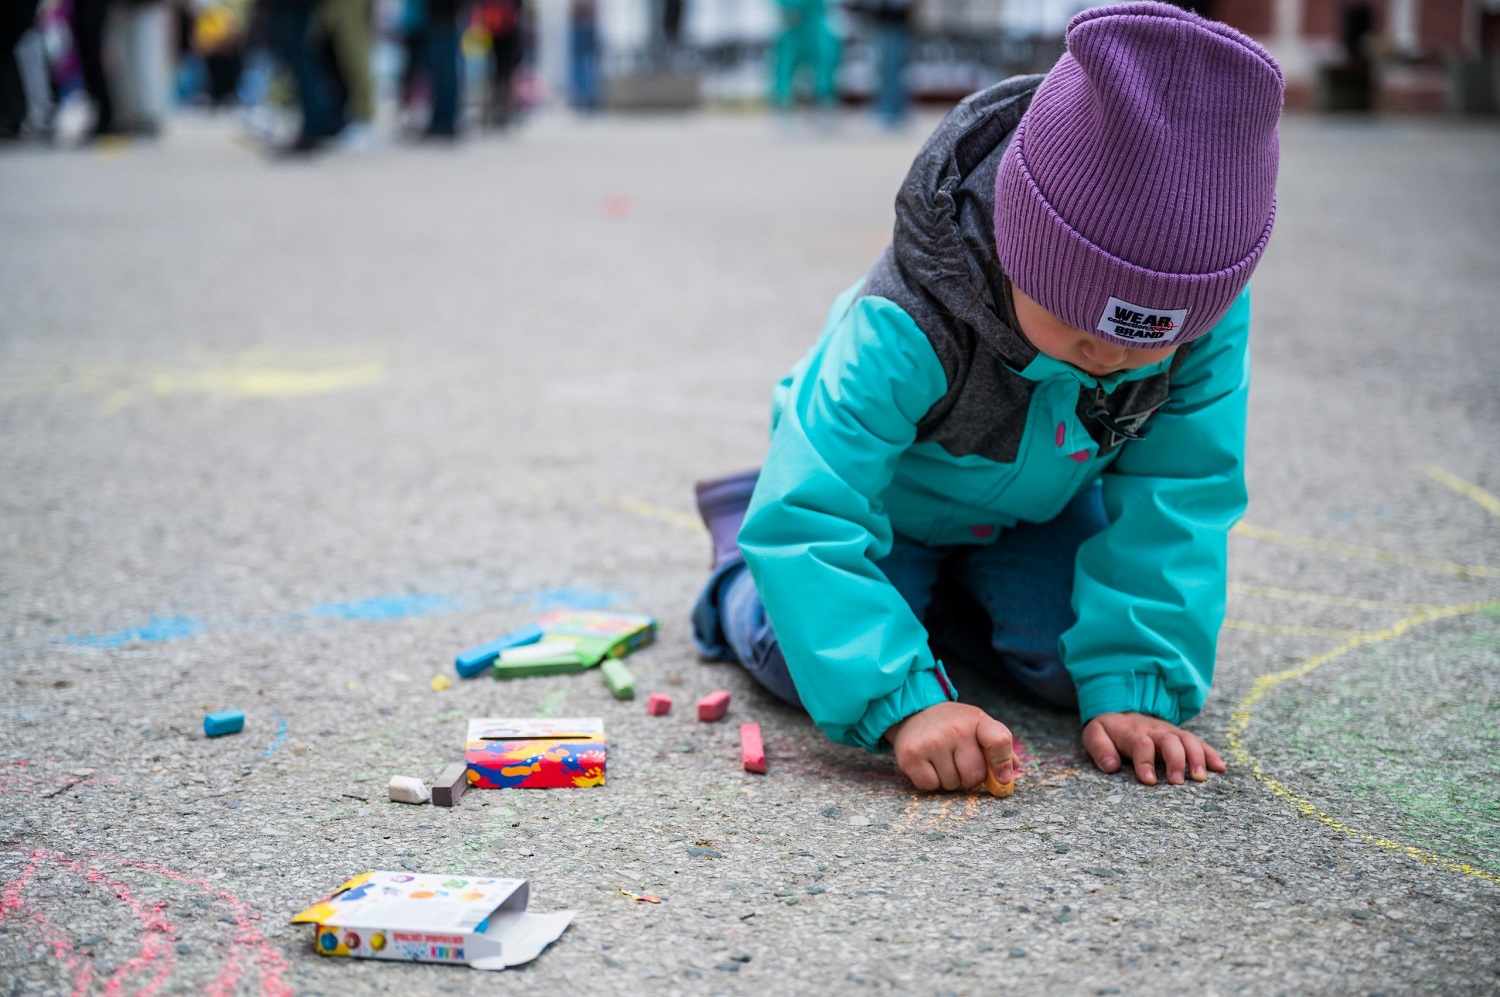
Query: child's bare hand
x=1111, y=736
x=945, y=746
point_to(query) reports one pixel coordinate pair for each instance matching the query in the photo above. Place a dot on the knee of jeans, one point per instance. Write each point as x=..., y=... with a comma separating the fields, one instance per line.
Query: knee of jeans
x=768, y=666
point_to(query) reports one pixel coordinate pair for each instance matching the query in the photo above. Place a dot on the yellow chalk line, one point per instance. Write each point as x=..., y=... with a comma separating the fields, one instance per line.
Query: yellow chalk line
x=1369, y=553
x=1469, y=491
x=1323, y=599
x=650, y=510
x=1239, y=722
x=942, y=812
x=254, y=373
x=912, y=809
x=1290, y=630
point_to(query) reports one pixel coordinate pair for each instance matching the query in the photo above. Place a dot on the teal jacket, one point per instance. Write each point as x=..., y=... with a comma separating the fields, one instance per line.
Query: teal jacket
x=921, y=412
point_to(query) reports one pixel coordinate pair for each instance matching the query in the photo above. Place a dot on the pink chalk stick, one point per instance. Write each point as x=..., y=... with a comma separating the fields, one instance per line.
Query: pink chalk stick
x=752, y=748
x=658, y=705
x=714, y=705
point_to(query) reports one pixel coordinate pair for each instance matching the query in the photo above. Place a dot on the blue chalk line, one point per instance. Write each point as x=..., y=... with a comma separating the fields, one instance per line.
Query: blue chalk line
x=161, y=628
x=571, y=598
x=280, y=737
x=385, y=607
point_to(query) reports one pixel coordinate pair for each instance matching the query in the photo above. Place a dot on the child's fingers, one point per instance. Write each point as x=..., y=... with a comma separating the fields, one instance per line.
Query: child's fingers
x=1215, y=763
x=969, y=761
x=1194, y=750
x=922, y=775
x=1172, y=756
x=1143, y=754
x=995, y=743
x=947, y=771
x=1101, y=747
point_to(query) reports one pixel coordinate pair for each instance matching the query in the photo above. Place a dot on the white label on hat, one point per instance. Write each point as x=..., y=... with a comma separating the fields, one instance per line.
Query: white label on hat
x=1144, y=326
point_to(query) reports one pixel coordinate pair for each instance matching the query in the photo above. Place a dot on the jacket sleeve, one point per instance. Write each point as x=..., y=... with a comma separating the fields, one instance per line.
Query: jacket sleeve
x=1149, y=590
x=816, y=526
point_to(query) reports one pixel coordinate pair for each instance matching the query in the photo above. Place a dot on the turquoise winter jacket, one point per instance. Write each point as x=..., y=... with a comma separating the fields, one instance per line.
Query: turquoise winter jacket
x=922, y=412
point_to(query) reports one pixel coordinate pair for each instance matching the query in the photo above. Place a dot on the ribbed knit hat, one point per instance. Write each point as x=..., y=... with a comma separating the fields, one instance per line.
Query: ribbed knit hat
x=1138, y=191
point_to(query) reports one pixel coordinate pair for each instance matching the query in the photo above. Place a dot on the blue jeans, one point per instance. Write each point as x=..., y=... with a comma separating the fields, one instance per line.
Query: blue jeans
x=442, y=63
x=893, y=42
x=286, y=33
x=1021, y=586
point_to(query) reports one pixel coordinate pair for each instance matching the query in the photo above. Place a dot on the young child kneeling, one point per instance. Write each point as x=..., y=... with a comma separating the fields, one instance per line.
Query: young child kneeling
x=1021, y=435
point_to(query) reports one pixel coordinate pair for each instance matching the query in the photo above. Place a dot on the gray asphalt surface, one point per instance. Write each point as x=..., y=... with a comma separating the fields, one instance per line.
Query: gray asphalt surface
x=285, y=437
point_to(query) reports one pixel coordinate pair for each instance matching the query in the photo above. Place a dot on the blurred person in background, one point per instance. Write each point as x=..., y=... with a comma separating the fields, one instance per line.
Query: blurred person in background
x=141, y=79
x=87, y=27
x=501, y=21
x=36, y=69
x=414, y=87
x=806, y=42
x=288, y=22
x=217, y=37
x=443, y=53
x=349, y=27
x=671, y=22
x=16, y=19
x=891, y=20
x=583, y=53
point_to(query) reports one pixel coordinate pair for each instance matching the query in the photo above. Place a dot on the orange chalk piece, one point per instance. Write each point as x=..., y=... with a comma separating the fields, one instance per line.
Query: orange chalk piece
x=642, y=896
x=713, y=706
x=995, y=786
x=752, y=748
x=658, y=705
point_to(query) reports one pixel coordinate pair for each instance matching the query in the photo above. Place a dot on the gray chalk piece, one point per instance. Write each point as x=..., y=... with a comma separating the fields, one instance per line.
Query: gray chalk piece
x=450, y=785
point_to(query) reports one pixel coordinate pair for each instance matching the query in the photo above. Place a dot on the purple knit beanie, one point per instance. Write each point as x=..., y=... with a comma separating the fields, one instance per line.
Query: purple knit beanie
x=1138, y=191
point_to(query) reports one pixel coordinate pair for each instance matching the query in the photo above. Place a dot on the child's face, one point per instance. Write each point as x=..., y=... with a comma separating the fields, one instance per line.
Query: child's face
x=1061, y=341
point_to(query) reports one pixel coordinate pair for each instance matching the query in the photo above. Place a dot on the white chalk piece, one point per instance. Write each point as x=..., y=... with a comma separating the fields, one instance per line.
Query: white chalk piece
x=547, y=650
x=407, y=789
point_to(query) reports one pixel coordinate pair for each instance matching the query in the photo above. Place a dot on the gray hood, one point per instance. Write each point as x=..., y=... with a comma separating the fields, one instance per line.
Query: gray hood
x=942, y=264
x=943, y=270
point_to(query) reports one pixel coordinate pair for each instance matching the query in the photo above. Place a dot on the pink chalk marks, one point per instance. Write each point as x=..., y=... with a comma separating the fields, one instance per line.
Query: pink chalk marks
x=151, y=967
x=25, y=776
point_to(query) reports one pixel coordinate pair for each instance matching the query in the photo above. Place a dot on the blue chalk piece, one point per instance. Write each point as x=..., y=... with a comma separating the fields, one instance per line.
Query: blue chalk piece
x=479, y=659
x=224, y=722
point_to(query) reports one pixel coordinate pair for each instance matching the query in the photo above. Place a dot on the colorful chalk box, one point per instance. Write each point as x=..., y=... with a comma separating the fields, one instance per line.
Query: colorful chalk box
x=533, y=753
x=482, y=923
x=596, y=636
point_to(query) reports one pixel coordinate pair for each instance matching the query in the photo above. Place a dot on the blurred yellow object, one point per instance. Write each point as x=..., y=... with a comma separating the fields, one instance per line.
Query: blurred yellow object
x=216, y=28
x=441, y=682
x=476, y=42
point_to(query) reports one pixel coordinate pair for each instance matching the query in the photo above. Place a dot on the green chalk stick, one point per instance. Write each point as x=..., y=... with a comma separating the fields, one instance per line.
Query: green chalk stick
x=559, y=662
x=618, y=679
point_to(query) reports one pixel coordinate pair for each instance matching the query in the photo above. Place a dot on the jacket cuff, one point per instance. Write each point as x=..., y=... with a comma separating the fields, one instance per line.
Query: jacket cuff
x=923, y=688
x=1128, y=692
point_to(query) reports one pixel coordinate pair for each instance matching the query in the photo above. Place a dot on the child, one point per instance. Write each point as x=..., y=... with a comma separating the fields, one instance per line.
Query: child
x=1025, y=427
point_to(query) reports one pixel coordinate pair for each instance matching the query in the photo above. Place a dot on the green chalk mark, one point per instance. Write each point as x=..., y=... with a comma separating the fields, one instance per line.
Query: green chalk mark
x=551, y=703
x=391, y=733
x=1402, y=739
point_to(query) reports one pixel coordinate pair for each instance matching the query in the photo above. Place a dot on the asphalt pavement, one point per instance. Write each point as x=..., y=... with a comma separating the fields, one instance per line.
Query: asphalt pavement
x=285, y=437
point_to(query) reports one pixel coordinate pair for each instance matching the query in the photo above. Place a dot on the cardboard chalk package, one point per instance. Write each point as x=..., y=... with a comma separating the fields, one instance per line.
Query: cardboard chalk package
x=413, y=917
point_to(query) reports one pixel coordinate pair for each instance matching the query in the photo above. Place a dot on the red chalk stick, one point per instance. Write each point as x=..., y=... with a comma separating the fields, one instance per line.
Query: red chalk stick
x=752, y=748
x=714, y=705
x=658, y=705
